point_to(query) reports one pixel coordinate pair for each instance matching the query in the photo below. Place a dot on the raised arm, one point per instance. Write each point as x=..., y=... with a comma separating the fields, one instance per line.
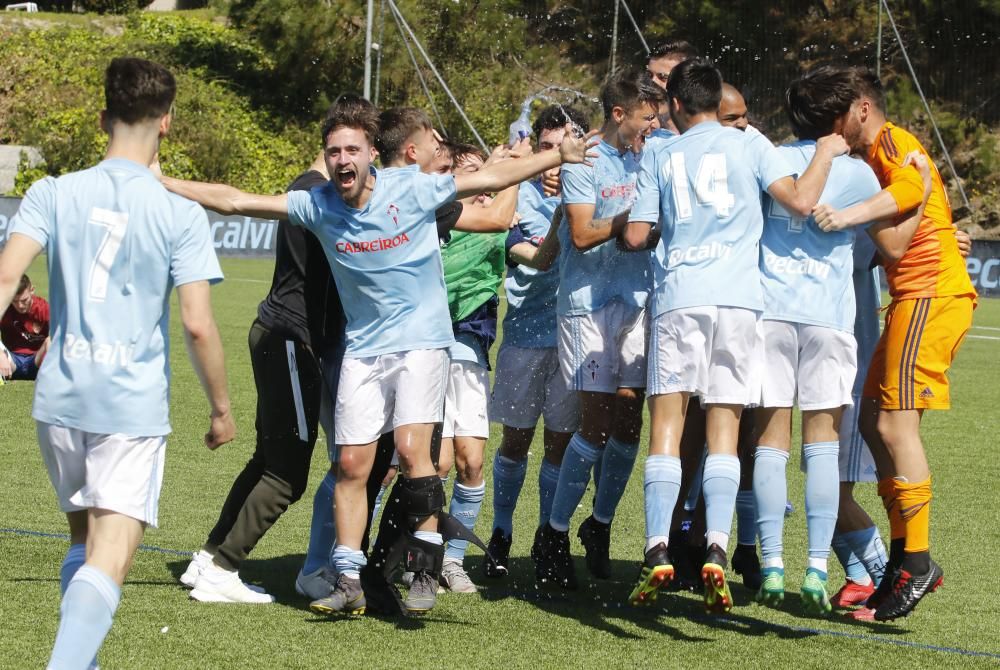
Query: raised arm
x=799, y=196
x=506, y=173
x=228, y=199
x=201, y=335
x=493, y=218
x=893, y=239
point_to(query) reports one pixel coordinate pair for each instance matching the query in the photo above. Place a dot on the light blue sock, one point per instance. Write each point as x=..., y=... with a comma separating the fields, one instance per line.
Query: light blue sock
x=616, y=468
x=548, y=480
x=853, y=567
x=574, y=475
x=720, y=485
x=822, y=495
x=466, y=501
x=770, y=491
x=661, y=486
x=867, y=545
x=347, y=561
x=75, y=557
x=322, y=532
x=508, y=478
x=746, y=518
x=378, y=504
x=85, y=617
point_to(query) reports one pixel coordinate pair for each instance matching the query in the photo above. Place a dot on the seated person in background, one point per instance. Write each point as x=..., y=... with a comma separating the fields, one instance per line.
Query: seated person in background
x=24, y=330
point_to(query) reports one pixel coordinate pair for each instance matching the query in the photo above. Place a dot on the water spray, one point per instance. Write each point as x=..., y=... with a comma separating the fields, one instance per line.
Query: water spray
x=521, y=127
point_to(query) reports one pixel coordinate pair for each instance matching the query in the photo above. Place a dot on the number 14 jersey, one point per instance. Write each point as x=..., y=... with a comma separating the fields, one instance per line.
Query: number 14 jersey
x=704, y=188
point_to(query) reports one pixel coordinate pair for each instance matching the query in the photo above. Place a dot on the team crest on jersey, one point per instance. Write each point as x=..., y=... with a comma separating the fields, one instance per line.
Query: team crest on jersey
x=593, y=366
x=393, y=213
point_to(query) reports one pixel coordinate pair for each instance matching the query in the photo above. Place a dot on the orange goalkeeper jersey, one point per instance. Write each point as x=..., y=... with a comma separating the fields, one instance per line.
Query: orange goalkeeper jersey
x=931, y=266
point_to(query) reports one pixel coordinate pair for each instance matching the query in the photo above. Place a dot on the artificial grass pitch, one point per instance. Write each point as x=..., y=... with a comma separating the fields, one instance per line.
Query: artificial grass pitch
x=509, y=623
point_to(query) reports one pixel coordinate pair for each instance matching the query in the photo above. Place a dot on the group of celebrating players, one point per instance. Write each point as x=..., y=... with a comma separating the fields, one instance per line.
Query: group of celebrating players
x=674, y=254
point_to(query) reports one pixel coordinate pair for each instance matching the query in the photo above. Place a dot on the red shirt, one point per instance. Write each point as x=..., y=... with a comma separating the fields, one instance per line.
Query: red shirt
x=25, y=333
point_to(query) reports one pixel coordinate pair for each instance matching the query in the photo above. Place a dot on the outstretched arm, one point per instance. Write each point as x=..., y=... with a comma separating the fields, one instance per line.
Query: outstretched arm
x=493, y=218
x=229, y=200
x=506, y=173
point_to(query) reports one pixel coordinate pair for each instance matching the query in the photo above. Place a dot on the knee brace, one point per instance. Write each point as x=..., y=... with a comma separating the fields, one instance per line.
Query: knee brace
x=421, y=497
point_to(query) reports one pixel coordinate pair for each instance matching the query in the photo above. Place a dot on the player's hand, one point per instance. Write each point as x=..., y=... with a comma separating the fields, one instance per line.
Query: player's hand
x=551, y=185
x=521, y=148
x=578, y=149
x=832, y=145
x=514, y=220
x=829, y=219
x=964, y=242
x=6, y=365
x=222, y=429
x=499, y=154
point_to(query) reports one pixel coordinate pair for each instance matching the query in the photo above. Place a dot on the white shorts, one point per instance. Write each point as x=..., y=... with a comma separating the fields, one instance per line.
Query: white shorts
x=528, y=383
x=115, y=472
x=380, y=393
x=466, y=400
x=605, y=350
x=814, y=365
x=711, y=352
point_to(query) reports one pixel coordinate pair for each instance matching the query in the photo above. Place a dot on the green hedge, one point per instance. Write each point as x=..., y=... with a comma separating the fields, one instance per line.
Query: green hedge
x=218, y=133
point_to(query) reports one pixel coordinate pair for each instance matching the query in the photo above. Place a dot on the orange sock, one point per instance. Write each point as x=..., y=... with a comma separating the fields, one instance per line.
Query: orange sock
x=887, y=491
x=914, y=504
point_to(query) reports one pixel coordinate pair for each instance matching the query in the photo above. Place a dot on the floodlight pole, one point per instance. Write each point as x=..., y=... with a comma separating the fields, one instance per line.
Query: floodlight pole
x=368, y=49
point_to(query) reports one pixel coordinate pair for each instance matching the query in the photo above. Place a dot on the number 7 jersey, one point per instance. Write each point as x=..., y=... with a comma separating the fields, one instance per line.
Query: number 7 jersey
x=703, y=189
x=117, y=242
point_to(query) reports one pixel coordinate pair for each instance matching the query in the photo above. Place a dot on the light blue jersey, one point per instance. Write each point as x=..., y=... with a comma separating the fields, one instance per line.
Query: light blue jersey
x=116, y=243
x=530, y=322
x=704, y=190
x=806, y=273
x=590, y=279
x=385, y=259
x=658, y=137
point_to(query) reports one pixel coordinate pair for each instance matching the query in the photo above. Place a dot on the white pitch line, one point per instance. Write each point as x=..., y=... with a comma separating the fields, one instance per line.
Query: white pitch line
x=982, y=337
x=248, y=280
x=984, y=328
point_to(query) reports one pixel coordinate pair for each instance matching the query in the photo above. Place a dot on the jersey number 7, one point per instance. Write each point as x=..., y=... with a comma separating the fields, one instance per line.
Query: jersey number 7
x=114, y=224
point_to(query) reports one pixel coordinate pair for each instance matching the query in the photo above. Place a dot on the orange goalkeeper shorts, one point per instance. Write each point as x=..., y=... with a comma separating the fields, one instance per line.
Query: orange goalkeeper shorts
x=911, y=360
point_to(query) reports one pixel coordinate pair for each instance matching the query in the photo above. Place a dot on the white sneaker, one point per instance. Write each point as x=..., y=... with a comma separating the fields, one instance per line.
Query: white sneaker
x=199, y=561
x=216, y=585
x=456, y=579
x=316, y=585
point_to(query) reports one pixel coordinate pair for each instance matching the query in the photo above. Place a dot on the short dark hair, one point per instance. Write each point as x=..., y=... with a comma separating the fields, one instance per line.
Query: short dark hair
x=628, y=89
x=395, y=126
x=461, y=151
x=557, y=116
x=23, y=285
x=697, y=84
x=136, y=89
x=818, y=98
x=351, y=111
x=868, y=85
x=681, y=48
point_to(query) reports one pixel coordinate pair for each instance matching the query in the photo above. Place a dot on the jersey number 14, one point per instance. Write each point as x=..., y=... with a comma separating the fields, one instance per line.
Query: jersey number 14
x=711, y=185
